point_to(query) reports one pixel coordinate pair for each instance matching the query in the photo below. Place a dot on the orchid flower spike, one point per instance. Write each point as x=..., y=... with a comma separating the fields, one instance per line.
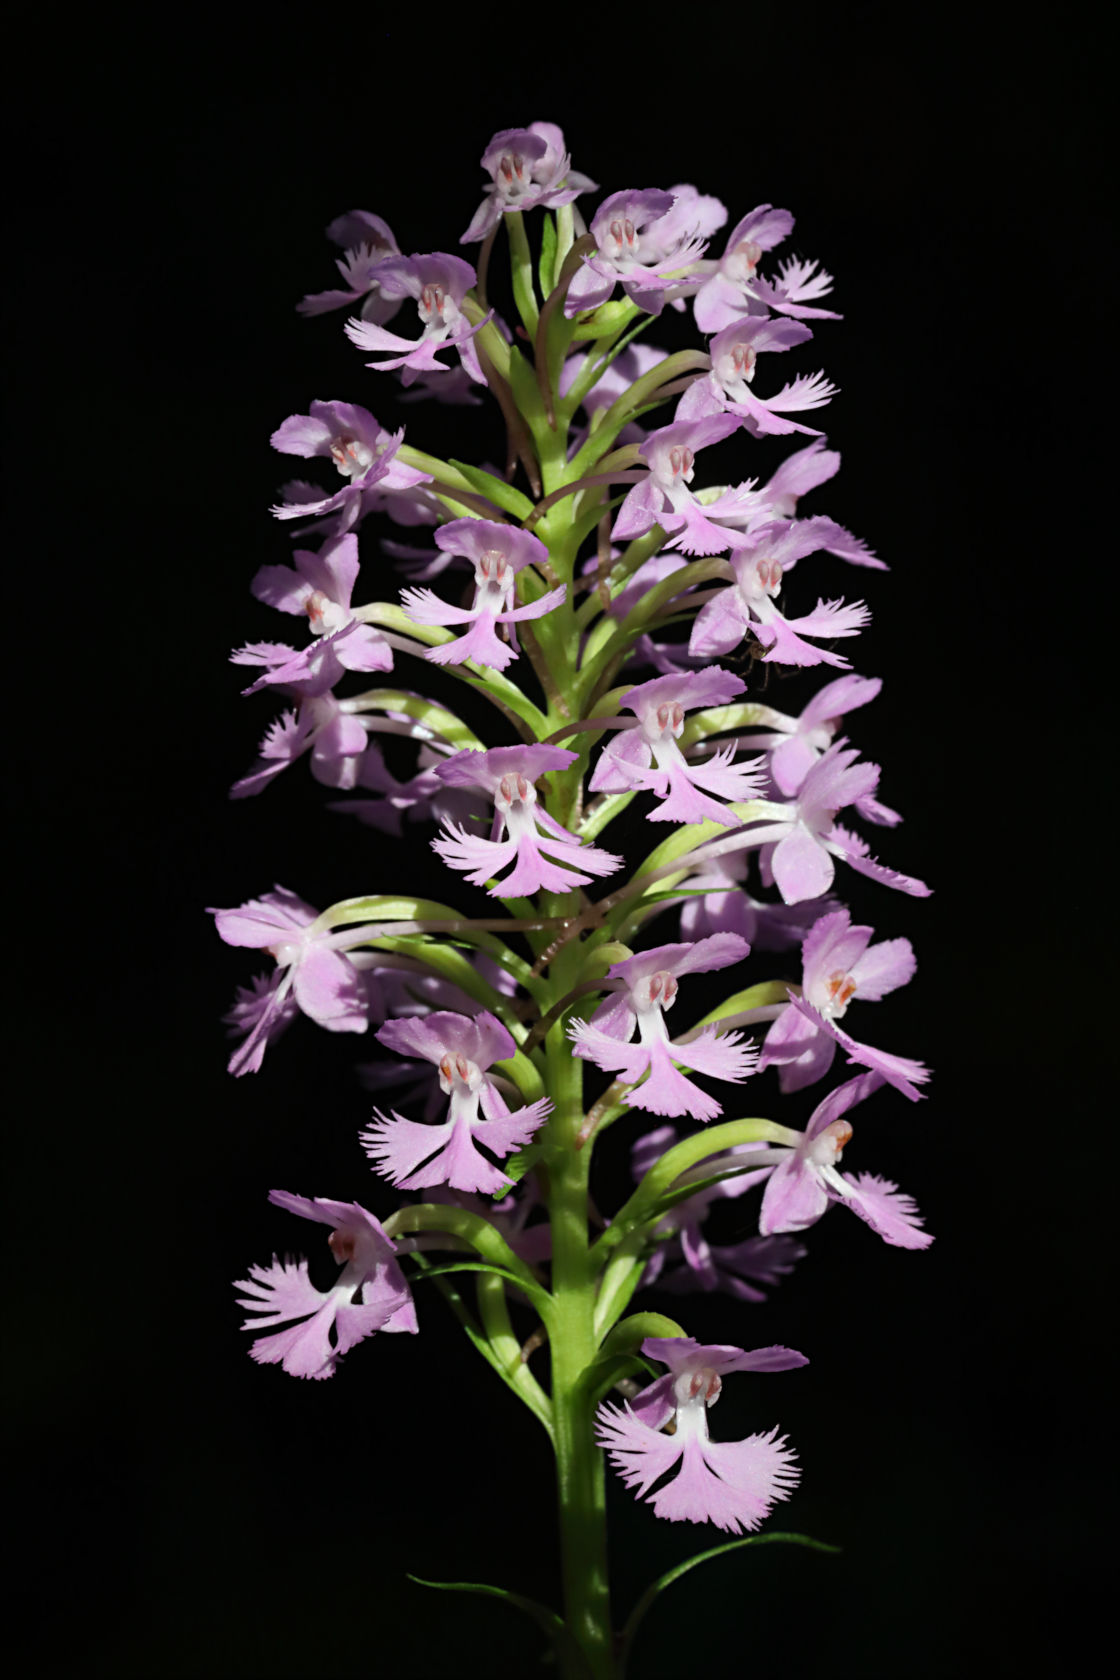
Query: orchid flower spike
x=733, y=1484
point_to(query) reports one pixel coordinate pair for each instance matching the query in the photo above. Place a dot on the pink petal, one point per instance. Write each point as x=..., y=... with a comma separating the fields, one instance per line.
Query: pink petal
x=801, y=866
x=887, y=1209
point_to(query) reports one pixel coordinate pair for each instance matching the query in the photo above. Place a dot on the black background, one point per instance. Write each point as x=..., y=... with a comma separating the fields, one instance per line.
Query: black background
x=188, y=1513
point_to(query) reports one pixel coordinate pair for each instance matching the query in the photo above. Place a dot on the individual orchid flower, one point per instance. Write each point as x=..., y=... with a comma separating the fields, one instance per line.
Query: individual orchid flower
x=807, y=1178
x=727, y=387
x=306, y=671
x=749, y=605
x=664, y=498
x=799, y=473
x=645, y=755
x=439, y=283
x=796, y=743
x=717, y=902
x=839, y=963
x=730, y=1268
x=648, y=240
x=414, y=1155
x=733, y=1484
x=367, y=241
x=797, y=851
x=321, y=585
x=363, y=452
x=499, y=552
x=744, y=1269
x=733, y=287
x=369, y=1294
x=322, y=725
x=640, y=989
x=528, y=167
x=422, y=798
x=311, y=972
x=546, y=857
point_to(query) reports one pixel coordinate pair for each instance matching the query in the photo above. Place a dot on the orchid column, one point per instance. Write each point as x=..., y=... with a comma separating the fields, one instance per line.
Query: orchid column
x=600, y=572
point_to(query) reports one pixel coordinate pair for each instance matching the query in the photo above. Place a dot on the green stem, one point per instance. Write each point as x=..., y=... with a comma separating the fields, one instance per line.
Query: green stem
x=521, y=263
x=579, y=1463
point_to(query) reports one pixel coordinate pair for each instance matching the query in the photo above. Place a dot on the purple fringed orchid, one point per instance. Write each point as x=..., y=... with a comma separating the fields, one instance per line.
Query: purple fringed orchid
x=367, y=241
x=415, y=1156
x=839, y=964
x=663, y=498
x=423, y=798
x=370, y=1293
x=641, y=988
x=647, y=239
x=646, y=756
x=799, y=473
x=727, y=388
x=736, y=288
x=720, y=904
x=797, y=852
x=733, y=1484
x=321, y=585
x=498, y=553
x=438, y=282
x=323, y=725
x=796, y=743
x=732, y=1268
x=363, y=452
x=522, y=832
x=749, y=606
x=311, y=974
x=528, y=167
x=806, y=1180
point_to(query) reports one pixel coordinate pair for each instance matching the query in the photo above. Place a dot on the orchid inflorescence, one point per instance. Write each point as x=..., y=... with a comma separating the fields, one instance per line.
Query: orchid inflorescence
x=613, y=561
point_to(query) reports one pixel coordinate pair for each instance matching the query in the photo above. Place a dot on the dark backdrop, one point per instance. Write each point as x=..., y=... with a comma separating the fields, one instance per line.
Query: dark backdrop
x=190, y=1514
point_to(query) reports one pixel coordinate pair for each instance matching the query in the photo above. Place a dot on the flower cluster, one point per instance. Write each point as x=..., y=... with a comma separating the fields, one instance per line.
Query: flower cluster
x=577, y=570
